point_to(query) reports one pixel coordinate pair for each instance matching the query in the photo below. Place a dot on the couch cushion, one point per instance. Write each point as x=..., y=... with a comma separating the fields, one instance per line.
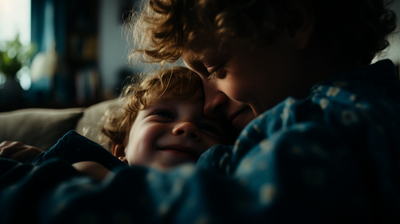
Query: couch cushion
x=91, y=123
x=38, y=127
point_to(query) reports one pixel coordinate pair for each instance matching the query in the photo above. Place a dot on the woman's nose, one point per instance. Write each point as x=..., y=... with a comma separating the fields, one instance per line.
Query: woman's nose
x=187, y=129
x=215, y=103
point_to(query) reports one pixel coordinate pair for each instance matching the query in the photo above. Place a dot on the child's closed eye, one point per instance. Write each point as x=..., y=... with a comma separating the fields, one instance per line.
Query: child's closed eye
x=164, y=113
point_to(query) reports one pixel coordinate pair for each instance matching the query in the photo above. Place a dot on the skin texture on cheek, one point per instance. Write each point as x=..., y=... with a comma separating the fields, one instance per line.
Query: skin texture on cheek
x=260, y=77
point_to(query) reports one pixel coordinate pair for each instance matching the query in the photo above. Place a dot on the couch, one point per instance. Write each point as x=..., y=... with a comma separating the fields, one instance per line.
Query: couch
x=43, y=127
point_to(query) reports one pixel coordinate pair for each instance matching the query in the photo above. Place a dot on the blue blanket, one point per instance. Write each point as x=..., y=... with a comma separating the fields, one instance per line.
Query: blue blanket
x=333, y=157
x=73, y=148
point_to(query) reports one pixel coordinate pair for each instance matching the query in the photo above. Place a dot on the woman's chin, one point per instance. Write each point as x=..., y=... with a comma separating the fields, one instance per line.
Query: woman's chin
x=242, y=119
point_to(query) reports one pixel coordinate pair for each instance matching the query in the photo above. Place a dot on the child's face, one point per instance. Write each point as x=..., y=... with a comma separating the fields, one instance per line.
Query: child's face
x=248, y=81
x=172, y=131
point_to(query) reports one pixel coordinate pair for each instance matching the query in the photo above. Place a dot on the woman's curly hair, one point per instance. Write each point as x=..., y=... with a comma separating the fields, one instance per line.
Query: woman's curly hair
x=138, y=94
x=355, y=28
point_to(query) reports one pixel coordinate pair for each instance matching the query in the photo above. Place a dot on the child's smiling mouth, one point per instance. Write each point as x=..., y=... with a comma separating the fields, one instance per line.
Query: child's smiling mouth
x=180, y=150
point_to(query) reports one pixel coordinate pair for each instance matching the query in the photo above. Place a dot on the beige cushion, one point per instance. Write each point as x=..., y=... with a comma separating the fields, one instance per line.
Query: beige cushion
x=91, y=123
x=38, y=127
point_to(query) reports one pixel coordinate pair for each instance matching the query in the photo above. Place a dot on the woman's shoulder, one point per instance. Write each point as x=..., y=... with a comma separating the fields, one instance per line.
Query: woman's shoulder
x=368, y=96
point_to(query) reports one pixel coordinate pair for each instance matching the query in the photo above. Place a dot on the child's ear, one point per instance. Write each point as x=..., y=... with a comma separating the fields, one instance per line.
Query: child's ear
x=118, y=150
x=299, y=21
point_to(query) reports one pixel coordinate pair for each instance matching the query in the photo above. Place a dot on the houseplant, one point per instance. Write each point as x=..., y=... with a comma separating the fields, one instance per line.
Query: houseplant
x=13, y=56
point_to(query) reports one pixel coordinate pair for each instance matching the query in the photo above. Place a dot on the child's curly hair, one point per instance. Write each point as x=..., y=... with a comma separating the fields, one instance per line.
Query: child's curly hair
x=136, y=96
x=355, y=28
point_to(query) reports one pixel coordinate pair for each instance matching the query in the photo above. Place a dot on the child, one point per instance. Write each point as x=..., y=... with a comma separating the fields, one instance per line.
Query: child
x=160, y=125
x=163, y=106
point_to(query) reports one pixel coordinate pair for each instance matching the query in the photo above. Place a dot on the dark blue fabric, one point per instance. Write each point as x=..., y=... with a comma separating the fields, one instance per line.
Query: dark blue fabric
x=332, y=157
x=73, y=148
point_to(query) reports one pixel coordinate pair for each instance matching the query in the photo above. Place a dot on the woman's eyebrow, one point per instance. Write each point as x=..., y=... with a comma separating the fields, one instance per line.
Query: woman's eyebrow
x=192, y=60
x=196, y=57
x=196, y=65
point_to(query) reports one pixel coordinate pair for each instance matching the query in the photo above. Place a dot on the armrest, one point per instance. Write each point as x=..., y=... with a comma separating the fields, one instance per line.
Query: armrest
x=91, y=123
x=38, y=127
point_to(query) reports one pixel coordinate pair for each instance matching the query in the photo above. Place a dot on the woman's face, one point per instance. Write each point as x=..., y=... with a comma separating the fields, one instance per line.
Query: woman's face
x=246, y=81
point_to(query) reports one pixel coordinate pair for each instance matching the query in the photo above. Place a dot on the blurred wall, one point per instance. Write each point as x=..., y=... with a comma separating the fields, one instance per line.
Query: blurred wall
x=394, y=49
x=113, y=47
x=113, y=57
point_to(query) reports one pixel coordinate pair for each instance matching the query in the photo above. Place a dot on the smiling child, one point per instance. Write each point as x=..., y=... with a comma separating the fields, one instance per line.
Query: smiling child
x=160, y=124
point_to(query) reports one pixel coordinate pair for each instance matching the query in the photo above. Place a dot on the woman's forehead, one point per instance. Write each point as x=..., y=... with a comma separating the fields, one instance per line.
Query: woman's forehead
x=212, y=49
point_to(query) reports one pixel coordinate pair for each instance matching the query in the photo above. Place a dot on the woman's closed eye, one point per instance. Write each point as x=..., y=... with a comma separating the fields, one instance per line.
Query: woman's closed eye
x=218, y=74
x=217, y=71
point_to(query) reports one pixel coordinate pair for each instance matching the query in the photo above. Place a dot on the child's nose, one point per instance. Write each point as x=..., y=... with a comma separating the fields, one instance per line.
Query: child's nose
x=188, y=129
